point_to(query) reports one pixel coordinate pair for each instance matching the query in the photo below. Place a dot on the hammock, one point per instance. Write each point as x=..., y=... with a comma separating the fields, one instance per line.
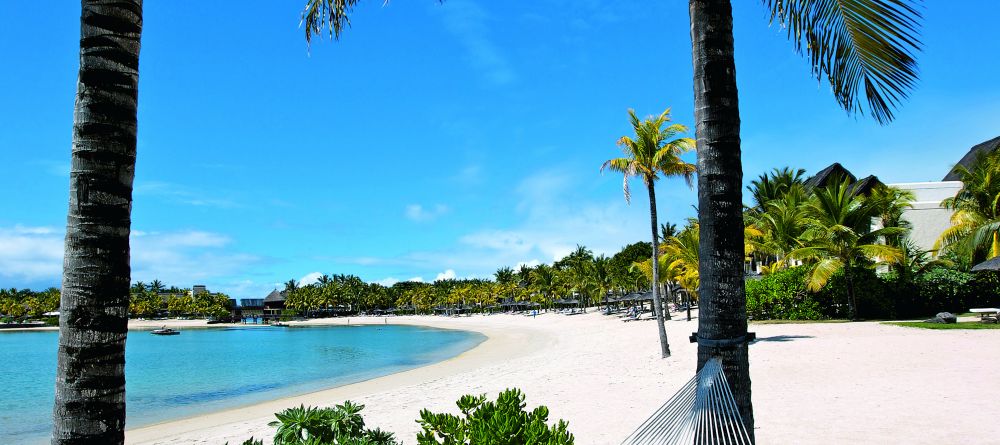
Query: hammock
x=702, y=412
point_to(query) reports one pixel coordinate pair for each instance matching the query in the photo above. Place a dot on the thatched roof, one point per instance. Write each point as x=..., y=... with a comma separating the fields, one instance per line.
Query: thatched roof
x=561, y=301
x=274, y=296
x=971, y=156
x=990, y=264
x=865, y=185
x=835, y=172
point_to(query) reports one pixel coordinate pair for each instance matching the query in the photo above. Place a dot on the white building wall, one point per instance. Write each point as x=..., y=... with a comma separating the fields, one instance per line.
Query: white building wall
x=927, y=216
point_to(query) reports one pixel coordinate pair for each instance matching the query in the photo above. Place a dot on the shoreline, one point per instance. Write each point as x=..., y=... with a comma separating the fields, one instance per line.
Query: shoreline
x=497, y=346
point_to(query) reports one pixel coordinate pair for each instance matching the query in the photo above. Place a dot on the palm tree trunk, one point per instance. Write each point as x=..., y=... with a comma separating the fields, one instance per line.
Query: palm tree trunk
x=720, y=175
x=657, y=306
x=90, y=375
x=852, y=303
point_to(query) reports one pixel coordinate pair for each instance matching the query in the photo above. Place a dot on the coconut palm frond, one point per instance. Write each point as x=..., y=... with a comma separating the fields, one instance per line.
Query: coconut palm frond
x=807, y=253
x=332, y=15
x=882, y=252
x=865, y=48
x=986, y=237
x=821, y=272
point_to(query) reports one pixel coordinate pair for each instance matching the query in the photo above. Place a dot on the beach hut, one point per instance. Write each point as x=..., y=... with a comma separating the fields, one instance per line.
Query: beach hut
x=274, y=304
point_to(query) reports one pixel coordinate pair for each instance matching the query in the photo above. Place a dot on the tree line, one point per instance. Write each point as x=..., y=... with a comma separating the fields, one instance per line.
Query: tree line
x=864, y=49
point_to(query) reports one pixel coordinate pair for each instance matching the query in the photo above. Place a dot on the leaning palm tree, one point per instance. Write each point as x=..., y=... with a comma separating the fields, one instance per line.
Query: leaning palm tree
x=654, y=151
x=93, y=322
x=865, y=48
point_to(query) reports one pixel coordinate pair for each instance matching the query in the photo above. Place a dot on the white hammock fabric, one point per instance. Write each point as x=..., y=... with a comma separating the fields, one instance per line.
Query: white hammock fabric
x=702, y=412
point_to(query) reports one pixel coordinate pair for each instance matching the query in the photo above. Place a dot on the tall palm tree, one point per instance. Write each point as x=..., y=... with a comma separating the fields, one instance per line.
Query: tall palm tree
x=864, y=48
x=840, y=236
x=653, y=152
x=93, y=322
x=975, y=230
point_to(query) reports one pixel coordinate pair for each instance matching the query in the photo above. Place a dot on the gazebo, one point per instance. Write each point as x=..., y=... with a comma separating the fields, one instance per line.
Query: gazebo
x=992, y=264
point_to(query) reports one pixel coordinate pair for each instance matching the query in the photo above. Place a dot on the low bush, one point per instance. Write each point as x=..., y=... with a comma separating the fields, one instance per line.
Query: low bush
x=485, y=422
x=783, y=295
x=340, y=425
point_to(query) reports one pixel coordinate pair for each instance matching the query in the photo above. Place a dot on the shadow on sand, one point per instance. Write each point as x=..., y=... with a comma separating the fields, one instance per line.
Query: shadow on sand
x=781, y=338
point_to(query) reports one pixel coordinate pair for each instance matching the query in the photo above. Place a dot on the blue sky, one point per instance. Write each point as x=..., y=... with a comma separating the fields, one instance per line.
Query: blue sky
x=432, y=140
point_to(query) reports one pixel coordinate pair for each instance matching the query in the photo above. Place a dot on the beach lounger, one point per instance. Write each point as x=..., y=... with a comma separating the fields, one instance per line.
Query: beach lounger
x=987, y=315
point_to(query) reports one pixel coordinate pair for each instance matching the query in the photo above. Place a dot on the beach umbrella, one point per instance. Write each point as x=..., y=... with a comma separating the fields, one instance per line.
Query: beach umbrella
x=991, y=264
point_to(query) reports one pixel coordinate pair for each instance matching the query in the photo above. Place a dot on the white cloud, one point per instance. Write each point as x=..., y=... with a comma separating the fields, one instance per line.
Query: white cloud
x=388, y=281
x=31, y=253
x=417, y=212
x=309, y=278
x=34, y=255
x=446, y=275
x=416, y=279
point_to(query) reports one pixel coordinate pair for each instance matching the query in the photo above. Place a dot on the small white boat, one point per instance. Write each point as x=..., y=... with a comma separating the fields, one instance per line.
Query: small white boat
x=164, y=331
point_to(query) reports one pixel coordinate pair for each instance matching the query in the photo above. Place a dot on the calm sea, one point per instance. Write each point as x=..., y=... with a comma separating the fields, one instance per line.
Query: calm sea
x=204, y=370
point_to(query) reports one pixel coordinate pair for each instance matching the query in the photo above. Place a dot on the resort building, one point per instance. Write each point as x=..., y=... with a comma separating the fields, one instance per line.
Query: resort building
x=927, y=216
x=273, y=304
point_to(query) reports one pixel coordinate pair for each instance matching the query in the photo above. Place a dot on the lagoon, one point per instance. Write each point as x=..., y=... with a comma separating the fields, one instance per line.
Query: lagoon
x=211, y=369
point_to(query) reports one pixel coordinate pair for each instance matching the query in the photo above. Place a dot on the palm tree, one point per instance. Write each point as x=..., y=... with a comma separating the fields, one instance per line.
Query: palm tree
x=681, y=253
x=504, y=275
x=667, y=230
x=861, y=46
x=891, y=202
x=291, y=286
x=840, y=236
x=975, y=230
x=782, y=221
x=775, y=184
x=90, y=374
x=545, y=279
x=156, y=286
x=653, y=151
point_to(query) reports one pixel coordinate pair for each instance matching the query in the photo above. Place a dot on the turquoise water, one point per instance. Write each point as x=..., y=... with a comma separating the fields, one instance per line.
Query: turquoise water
x=204, y=370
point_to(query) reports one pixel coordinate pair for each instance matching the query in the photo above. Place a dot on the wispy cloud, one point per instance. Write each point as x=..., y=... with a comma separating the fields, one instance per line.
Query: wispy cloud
x=552, y=221
x=182, y=194
x=469, y=22
x=418, y=213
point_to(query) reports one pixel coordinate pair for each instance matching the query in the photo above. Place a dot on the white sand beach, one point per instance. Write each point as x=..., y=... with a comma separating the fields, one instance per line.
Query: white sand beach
x=823, y=383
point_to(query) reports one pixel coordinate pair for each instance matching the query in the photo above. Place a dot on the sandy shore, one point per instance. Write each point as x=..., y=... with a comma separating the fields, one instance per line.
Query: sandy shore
x=813, y=383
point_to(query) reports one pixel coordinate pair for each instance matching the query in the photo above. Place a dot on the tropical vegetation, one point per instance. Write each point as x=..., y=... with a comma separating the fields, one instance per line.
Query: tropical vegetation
x=339, y=425
x=864, y=48
x=483, y=421
x=654, y=151
x=975, y=232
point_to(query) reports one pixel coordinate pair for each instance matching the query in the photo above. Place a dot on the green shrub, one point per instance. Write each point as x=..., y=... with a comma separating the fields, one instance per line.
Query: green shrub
x=782, y=296
x=340, y=425
x=503, y=422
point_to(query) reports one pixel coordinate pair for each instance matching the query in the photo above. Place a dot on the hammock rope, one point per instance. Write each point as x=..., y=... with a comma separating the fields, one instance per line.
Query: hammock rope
x=702, y=412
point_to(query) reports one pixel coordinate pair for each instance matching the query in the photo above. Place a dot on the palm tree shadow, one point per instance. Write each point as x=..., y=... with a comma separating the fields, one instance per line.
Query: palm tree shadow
x=781, y=338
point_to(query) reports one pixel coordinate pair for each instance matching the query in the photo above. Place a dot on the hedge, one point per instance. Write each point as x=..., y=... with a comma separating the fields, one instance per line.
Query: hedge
x=783, y=295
